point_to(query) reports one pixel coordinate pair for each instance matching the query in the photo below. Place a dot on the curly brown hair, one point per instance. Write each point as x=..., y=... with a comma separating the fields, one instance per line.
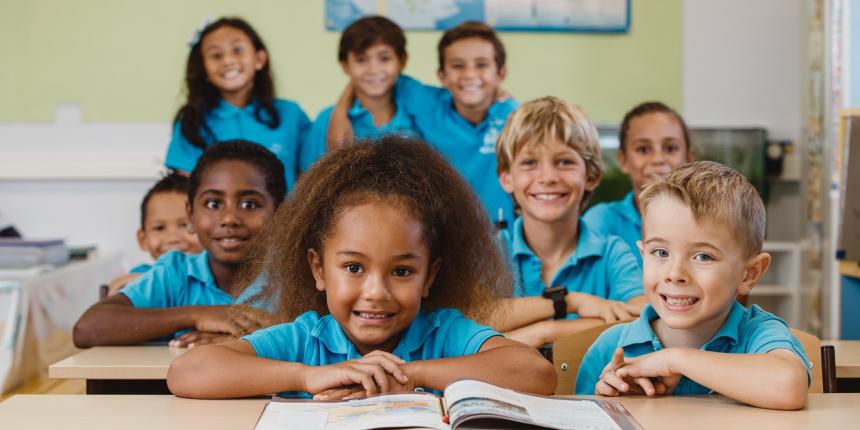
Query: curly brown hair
x=473, y=274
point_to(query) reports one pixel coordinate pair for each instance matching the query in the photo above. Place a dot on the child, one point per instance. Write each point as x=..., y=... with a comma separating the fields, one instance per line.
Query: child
x=373, y=54
x=376, y=253
x=653, y=139
x=549, y=160
x=233, y=192
x=231, y=95
x=703, y=230
x=464, y=119
x=163, y=225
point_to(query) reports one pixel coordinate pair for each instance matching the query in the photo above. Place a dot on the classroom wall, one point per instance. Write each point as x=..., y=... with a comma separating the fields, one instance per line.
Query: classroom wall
x=87, y=99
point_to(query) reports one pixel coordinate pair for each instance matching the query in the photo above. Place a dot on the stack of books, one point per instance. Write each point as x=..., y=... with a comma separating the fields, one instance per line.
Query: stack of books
x=16, y=252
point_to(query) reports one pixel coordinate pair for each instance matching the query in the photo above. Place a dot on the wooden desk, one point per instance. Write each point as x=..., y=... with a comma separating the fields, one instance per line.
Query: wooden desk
x=847, y=364
x=119, y=369
x=847, y=357
x=168, y=412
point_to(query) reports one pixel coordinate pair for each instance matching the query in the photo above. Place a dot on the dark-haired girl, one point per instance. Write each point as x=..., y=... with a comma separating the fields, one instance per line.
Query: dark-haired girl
x=653, y=139
x=231, y=95
x=380, y=257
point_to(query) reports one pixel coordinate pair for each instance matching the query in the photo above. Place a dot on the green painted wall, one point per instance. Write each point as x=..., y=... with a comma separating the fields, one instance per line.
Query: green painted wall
x=122, y=60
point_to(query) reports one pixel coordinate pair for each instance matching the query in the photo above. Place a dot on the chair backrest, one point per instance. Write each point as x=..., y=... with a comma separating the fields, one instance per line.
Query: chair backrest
x=567, y=354
x=812, y=348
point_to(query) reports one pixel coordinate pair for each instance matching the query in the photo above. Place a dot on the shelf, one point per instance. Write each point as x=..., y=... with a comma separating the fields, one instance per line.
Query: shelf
x=772, y=290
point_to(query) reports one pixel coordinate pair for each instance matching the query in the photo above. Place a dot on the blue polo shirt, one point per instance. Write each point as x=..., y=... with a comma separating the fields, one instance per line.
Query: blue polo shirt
x=180, y=279
x=601, y=266
x=362, y=126
x=317, y=340
x=745, y=331
x=140, y=268
x=229, y=122
x=619, y=218
x=471, y=149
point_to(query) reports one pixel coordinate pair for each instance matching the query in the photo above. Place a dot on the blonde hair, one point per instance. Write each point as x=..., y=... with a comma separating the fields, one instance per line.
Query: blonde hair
x=544, y=119
x=718, y=193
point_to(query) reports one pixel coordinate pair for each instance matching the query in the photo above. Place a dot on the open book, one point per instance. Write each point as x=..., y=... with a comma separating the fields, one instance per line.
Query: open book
x=466, y=404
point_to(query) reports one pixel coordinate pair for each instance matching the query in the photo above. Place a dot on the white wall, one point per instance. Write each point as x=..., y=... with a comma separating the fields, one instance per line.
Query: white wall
x=743, y=64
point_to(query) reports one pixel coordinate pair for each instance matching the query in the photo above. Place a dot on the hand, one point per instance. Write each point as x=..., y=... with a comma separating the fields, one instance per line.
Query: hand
x=657, y=365
x=119, y=282
x=610, y=384
x=234, y=320
x=347, y=96
x=371, y=372
x=357, y=391
x=589, y=306
x=197, y=338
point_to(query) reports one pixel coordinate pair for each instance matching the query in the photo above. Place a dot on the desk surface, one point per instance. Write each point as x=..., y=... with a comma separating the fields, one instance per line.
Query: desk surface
x=168, y=412
x=847, y=357
x=117, y=362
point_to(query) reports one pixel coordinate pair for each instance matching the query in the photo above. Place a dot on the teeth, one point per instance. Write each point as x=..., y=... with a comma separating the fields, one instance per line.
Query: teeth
x=230, y=240
x=372, y=316
x=679, y=301
x=231, y=74
x=547, y=196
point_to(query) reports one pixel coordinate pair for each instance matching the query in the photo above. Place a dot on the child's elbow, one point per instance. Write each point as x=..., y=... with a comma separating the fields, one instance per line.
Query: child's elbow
x=180, y=378
x=83, y=334
x=790, y=394
x=547, y=377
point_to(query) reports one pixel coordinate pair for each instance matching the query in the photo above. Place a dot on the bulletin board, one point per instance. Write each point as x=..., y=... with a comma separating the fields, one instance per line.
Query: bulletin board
x=585, y=16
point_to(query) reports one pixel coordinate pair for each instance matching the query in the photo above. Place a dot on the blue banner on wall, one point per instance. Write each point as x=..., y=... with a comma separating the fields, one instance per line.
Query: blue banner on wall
x=593, y=16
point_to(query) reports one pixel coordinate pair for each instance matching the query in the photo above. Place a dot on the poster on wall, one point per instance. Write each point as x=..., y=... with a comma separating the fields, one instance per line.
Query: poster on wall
x=586, y=16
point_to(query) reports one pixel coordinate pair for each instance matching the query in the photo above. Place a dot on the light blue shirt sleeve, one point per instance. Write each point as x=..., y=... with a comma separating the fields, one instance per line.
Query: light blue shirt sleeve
x=416, y=98
x=314, y=143
x=462, y=336
x=155, y=288
x=181, y=154
x=625, y=275
x=596, y=217
x=596, y=358
x=285, y=342
x=770, y=333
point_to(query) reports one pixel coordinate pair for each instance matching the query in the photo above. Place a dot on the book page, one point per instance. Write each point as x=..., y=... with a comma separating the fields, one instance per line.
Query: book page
x=394, y=410
x=468, y=399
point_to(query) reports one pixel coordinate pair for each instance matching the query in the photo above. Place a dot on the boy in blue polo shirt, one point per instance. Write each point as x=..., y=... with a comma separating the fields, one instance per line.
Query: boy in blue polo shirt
x=232, y=194
x=549, y=160
x=464, y=119
x=372, y=53
x=652, y=140
x=703, y=231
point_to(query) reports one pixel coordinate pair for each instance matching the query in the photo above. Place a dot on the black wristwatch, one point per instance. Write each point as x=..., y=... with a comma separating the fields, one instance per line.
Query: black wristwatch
x=559, y=304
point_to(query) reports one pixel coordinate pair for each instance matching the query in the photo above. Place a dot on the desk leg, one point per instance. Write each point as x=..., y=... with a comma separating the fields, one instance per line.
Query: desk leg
x=127, y=386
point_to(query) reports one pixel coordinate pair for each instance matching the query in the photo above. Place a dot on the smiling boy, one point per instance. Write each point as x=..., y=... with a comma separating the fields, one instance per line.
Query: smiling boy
x=464, y=119
x=549, y=160
x=703, y=228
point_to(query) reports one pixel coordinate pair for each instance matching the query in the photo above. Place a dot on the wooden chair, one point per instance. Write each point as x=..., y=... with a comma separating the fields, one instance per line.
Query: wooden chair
x=568, y=353
x=823, y=360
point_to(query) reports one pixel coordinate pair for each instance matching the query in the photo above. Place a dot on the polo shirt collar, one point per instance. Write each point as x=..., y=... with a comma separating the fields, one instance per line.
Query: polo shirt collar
x=640, y=331
x=330, y=333
x=227, y=110
x=198, y=268
x=629, y=211
x=590, y=243
x=356, y=109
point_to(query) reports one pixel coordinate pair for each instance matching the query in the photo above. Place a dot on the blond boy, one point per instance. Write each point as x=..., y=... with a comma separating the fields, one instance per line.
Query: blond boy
x=549, y=160
x=703, y=228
